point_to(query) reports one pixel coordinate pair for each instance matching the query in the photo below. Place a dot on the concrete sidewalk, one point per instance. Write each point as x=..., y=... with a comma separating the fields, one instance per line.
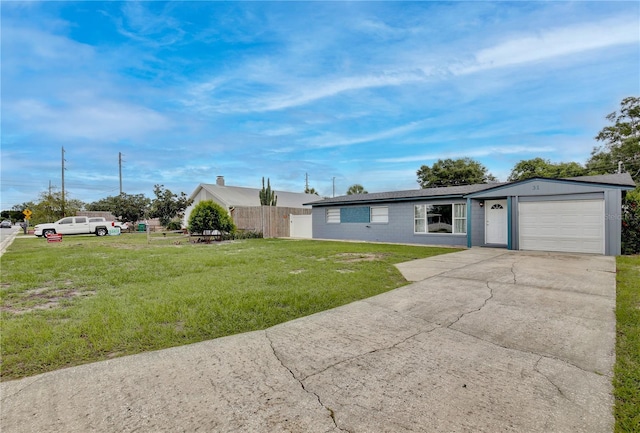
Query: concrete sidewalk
x=484, y=341
x=7, y=240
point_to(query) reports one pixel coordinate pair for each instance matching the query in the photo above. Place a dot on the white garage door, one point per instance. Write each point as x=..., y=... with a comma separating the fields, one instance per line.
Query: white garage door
x=570, y=225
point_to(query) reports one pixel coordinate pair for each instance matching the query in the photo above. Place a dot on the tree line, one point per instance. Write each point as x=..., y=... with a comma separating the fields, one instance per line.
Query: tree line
x=619, y=150
x=167, y=206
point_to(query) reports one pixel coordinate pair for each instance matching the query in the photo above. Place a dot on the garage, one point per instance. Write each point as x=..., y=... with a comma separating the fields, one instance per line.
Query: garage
x=563, y=225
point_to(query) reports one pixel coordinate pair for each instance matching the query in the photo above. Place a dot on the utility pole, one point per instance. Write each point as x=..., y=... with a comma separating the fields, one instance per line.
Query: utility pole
x=63, y=214
x=120, y=169
x=334, y=186
x=619, y=167
x=306, y=182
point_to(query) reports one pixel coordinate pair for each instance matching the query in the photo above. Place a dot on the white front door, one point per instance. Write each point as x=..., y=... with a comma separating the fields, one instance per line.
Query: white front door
x=495, y=213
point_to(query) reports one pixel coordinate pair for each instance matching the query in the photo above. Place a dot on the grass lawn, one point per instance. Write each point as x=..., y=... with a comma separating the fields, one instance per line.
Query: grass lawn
x=89, y=298
x=627, y=369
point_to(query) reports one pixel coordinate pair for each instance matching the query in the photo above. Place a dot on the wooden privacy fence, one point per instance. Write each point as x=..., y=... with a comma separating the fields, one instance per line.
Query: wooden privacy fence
x=271, y=221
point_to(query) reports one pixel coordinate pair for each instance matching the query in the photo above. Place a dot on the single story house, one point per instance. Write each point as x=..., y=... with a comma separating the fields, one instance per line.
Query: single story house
x=244, y=207
x=580, y=214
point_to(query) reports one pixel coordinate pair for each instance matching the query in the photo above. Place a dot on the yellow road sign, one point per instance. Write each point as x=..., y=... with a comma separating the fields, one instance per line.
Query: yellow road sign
x=27, y=213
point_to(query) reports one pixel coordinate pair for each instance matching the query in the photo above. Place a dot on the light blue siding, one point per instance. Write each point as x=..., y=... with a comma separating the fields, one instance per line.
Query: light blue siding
x=355, y=218
x=399, y=229
x=477, y=223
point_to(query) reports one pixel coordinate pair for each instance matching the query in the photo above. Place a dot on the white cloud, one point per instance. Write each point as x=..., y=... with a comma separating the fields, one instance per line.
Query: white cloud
x=475, y=153
x=97, y=120
x=37, y=49
x=296, y=94
x=552, y=43
x=332, y=140
x=142, y=25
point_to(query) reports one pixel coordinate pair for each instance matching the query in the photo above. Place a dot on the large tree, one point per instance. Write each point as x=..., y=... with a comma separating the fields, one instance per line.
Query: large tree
x=126, y=207
x=451, y=172
x=49, y=207
x=356, y=189
x=538, y=167
x=621, y=142
x=168, y=205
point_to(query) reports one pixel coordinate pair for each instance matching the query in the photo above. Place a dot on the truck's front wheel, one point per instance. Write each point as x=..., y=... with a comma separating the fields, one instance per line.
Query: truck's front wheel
x=101, y=231
x=48, y=232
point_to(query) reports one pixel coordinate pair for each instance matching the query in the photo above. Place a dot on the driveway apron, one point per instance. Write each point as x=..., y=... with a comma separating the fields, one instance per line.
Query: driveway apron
x=483, y=340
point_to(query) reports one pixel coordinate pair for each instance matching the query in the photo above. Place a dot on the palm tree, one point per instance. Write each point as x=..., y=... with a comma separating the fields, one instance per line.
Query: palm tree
x=356, y=189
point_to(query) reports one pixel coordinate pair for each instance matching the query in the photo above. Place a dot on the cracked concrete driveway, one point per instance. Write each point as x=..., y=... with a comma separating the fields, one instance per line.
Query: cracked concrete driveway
x=484, y=340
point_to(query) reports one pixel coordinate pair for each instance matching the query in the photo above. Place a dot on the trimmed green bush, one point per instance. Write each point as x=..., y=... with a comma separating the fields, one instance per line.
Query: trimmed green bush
x=209, y=215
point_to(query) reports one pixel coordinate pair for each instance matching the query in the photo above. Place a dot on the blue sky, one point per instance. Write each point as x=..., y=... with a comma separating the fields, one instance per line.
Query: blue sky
x=346, y=92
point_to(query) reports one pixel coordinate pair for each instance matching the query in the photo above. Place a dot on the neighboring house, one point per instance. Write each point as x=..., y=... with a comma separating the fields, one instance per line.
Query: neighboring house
x=244, y=206
x=104, y=214
x=581, y=214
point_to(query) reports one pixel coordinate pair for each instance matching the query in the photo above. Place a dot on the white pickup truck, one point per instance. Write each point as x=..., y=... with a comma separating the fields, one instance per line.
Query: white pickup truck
x=78, y=225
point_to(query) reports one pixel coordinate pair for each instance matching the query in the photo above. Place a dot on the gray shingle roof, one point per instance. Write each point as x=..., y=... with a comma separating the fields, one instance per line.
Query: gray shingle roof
x=449, y=191
x=623, y=179
x=242, y=197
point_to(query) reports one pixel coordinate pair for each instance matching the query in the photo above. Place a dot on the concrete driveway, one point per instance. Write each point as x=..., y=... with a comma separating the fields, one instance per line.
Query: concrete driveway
x=485, y=340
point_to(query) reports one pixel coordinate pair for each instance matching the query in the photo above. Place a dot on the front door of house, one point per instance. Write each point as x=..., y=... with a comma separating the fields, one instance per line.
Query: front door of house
x=495, y=212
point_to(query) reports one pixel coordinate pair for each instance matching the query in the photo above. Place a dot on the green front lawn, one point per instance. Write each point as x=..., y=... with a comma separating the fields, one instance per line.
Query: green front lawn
x=89, y=298
x=627, y=369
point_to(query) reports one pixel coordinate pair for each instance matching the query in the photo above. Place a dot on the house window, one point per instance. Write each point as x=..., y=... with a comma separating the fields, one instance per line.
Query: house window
x=440, y=218
x=333, y=216
x=380, y=214
x=459, y=218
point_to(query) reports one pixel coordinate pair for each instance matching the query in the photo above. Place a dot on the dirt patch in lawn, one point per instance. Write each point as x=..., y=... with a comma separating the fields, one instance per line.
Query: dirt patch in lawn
x=297, y=271
x=359, y=257
x=44, y=298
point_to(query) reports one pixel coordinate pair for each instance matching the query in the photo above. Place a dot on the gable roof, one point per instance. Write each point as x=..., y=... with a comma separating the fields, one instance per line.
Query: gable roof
x=412, y=194
x=236, y=196
x=619, y=180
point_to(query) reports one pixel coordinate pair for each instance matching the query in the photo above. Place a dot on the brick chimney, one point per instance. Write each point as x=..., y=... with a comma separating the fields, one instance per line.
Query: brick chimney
x=220, y=180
